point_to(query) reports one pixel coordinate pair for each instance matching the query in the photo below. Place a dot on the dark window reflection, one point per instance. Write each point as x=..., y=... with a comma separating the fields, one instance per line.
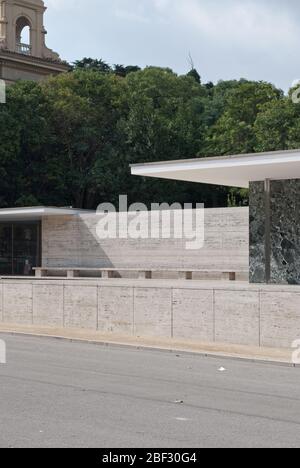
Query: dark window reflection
x=19, y=248
x=5, y=249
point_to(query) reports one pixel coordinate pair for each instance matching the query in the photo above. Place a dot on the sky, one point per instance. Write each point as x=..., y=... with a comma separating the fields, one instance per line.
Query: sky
x=227, y=39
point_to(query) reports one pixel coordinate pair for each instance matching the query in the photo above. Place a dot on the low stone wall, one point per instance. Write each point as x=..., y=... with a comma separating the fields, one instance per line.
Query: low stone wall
x=236, y=313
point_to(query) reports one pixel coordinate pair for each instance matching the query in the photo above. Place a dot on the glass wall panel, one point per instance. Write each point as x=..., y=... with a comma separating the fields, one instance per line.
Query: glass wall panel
x=19, y=248
x=6, y=249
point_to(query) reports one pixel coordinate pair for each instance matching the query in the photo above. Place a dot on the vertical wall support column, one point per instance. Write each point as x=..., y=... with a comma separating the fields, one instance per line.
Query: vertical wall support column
x=260, y=228
x=268, y=230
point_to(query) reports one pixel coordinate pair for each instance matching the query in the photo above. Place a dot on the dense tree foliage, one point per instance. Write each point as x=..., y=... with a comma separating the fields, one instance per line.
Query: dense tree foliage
x=69, y=140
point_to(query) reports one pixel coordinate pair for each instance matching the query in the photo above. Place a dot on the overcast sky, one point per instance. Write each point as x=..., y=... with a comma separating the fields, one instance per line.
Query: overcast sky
x=254, y=39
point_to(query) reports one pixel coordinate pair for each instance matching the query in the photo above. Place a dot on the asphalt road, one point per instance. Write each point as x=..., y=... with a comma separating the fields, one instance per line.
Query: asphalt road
x=61, y=394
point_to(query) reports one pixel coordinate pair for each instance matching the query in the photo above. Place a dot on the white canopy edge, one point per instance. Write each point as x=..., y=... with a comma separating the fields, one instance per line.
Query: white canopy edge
x=231, y=171
x=35, y=213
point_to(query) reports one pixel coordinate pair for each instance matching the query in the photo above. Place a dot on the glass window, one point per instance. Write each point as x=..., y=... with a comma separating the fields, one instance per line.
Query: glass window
x=19, y=248
x=5, y=249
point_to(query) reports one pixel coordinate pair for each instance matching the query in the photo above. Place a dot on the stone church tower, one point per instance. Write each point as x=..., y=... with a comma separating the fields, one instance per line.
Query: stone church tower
x=29, y=60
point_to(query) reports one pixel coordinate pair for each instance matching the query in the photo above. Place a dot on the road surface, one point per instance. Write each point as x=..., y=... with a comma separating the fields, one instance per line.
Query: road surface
x=61, y=394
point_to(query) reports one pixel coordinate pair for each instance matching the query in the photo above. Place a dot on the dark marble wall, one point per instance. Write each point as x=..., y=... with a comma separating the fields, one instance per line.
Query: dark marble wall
x=257, y=232
x=284, y=232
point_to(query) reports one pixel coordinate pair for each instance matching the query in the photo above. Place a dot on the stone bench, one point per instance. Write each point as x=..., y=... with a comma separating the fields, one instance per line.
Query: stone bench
x=75, y=272
x=106, y=273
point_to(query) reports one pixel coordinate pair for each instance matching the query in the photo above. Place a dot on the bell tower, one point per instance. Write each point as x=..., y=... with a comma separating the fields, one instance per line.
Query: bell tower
x=23, y=51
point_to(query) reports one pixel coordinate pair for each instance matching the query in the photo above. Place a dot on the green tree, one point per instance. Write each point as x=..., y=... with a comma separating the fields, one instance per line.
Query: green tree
x=233, y=132
x=92, y=64
x=122, y=71
x=274, y=126
x=23, y=126
x=165, y=121
x=9, y=149
x=70, y=139
x=84, y=110
x=193, y=73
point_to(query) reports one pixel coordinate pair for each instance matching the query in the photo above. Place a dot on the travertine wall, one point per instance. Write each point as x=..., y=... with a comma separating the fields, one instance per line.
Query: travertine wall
x=72, y=241
x=197, y=311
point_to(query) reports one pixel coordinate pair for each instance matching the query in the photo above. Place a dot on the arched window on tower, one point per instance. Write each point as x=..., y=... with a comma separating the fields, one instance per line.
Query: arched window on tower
x=23, y=36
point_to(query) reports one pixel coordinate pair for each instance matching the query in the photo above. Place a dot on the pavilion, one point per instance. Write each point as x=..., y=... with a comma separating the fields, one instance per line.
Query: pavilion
x=273, y=180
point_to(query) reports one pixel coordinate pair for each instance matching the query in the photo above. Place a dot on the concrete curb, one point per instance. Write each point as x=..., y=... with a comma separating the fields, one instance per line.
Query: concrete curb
x=158, y=348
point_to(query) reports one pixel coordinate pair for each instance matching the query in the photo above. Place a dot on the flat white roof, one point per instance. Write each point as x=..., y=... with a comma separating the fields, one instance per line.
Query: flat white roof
x=35, y=213
x=232, y=171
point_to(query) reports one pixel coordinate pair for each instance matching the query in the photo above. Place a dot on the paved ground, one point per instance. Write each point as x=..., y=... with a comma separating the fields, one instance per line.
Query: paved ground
x=62, y=394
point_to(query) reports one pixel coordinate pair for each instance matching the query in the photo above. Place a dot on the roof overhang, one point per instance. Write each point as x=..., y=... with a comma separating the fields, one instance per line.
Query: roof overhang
x=35, y=213
x=231, y=171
